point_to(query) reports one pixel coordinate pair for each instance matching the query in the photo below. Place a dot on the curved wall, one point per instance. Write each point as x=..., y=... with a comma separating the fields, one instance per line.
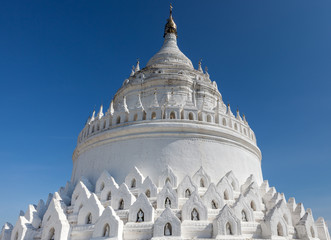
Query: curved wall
x=152, y=145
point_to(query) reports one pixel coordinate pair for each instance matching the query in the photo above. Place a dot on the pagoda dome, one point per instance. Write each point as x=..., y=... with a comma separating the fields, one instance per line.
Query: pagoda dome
x=170, y=55
x=167, y=114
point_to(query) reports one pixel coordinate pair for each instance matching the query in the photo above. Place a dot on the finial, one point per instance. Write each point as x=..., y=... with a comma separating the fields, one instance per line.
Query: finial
x=229, y=112
x=111, y=107
x=170, y=26
x=132, y=71
x=93, y=115
x=238, y=115
x=100, y=113
x=244, y=118
x=206, y=72
x=200, y=68
x=137, y=66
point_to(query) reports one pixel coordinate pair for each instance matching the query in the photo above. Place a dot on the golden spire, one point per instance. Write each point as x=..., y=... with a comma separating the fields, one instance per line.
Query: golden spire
x=170, y=27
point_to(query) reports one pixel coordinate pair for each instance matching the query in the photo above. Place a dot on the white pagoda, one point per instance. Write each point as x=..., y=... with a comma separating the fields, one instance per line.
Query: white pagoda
x=167, y=160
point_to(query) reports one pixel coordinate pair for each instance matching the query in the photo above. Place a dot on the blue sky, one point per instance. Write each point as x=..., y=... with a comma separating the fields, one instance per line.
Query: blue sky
x=60, y=59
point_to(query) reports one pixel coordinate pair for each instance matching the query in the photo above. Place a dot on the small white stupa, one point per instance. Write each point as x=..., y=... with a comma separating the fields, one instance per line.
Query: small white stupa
x=167, y=160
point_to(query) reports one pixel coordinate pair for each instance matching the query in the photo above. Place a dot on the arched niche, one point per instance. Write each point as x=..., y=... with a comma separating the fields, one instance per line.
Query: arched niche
x=141, y=210
x=167, y=176
x=91, y=211
x=108, y=225
x=224, y=188
x=201, y=178
x=149, y=188
x=226, y=223
x=167, y=197
x=185, y=187
x=134, y=179
x=194, y=209
x=212, y=199
x=123, y=197
x=167, y=223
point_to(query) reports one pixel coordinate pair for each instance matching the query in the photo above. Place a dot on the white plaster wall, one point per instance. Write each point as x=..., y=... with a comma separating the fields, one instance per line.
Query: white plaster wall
x=151, y=150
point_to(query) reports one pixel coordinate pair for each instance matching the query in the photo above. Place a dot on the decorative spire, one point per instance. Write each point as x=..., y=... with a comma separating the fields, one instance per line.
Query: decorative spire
x=200, y=68
x=244, y=119
x=93, y=115
x=206, y=73
x=100, y=113
x=229, y=112
x=170, y=27
x=238, y=115
x=132, y=71
x=111, y=107
x=137, y=66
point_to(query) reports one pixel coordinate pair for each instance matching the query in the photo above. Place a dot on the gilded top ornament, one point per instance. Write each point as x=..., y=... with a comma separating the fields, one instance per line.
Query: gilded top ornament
x=170, y=27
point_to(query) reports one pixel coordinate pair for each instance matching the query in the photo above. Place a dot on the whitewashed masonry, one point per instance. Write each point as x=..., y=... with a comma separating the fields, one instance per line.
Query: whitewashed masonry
x=188, y=168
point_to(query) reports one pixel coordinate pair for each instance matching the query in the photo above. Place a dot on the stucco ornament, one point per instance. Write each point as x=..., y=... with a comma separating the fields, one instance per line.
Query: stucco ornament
x=201, y=178
x=306, y=228
x=110, y=188
x=167, y=176
x=134, y=179
x=123, y=198
x=274, y=225
x=226, y=223
x=141, y=210
x=243, y=210
x=149, y=188
x=186, y=188
x=55, y=223
x=108, y=226
x=167, y=197
x=6, y=231
x=194, y=209
x=91, y=211
x=79, y=197
x=212, y=199
x=224, y=187
x=167, y=215
x=167, y=224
